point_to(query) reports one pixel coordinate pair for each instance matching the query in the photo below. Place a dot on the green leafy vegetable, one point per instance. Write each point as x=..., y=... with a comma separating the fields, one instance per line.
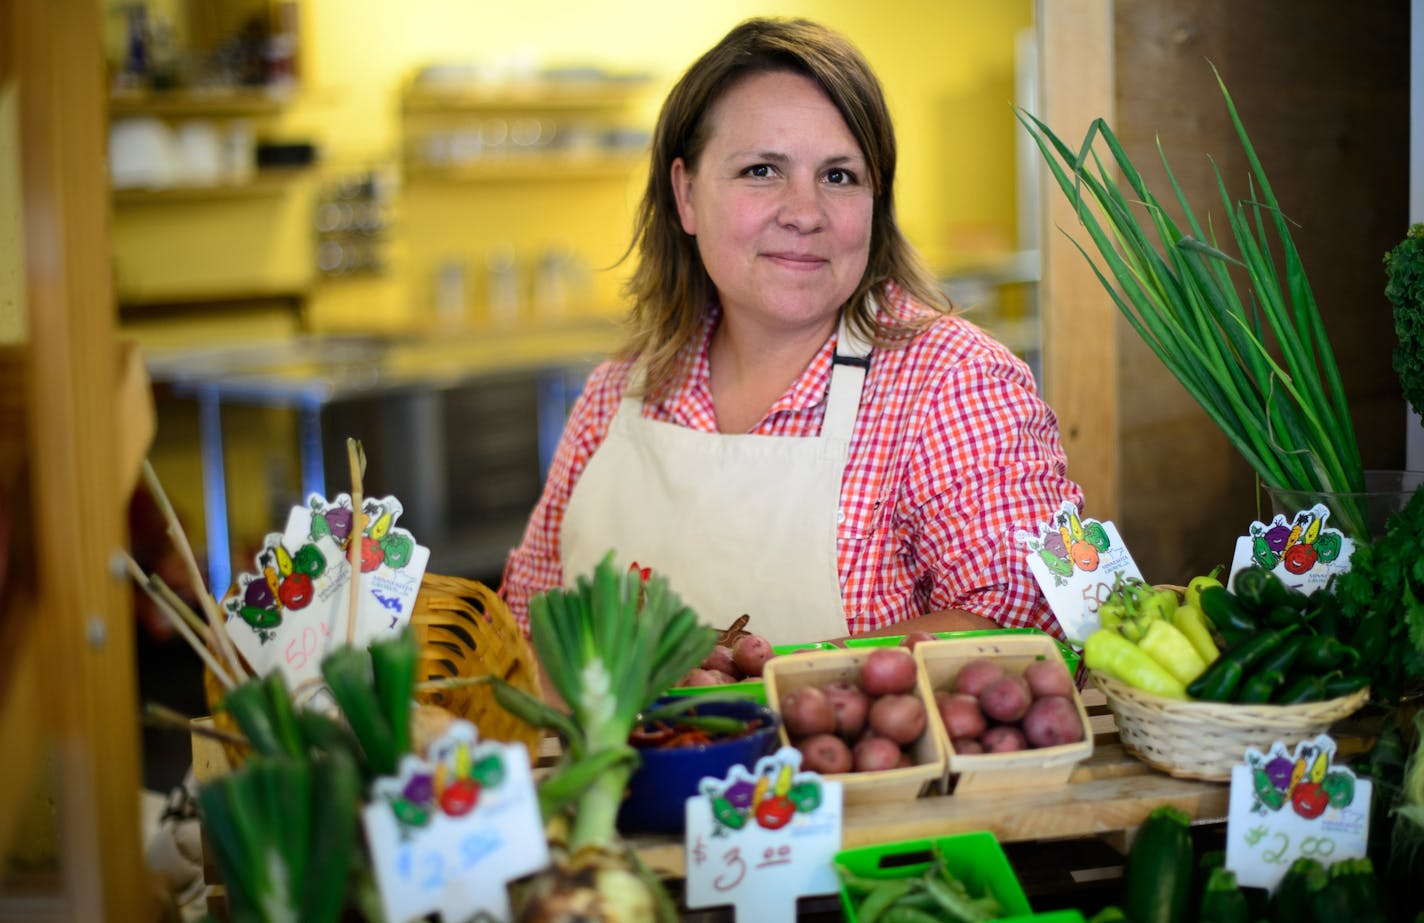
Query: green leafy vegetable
x=1404, y=268
x=1380, y=599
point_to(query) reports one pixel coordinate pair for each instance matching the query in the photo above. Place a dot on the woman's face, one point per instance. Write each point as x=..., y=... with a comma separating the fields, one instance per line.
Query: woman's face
x=779, y=203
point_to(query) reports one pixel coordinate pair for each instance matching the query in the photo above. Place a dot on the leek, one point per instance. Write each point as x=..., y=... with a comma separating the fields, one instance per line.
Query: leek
x=1286, y=416
x=610, y=646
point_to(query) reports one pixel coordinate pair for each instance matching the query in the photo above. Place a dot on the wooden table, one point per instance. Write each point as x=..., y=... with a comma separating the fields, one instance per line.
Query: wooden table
x=1110, y=793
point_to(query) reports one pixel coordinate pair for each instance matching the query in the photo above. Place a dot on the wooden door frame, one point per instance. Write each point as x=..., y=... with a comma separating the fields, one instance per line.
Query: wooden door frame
x=82, y=619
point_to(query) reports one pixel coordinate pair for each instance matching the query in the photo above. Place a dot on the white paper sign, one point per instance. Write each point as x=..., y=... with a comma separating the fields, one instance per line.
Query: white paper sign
x=758, y=840
x=449, y=833
x=1302, y=550
x=281, y=616
x=1287, y=805
x=392, y=564
x=1076, y=563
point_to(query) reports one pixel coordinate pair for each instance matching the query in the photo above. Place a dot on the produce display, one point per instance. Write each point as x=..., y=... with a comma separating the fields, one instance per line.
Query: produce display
x=990, y=708
x=1165, y=881
x=935, y=894
x=1258, y=642
x=862, y=724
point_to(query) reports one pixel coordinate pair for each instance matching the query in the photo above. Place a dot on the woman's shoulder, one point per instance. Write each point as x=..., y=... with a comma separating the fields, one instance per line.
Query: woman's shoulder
x=950, y=341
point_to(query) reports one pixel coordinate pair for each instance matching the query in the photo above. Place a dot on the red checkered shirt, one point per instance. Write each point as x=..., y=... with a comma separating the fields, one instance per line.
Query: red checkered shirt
x=952, y=453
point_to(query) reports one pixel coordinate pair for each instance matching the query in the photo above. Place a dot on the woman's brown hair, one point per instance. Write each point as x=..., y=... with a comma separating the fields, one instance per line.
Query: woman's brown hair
x=669, y=289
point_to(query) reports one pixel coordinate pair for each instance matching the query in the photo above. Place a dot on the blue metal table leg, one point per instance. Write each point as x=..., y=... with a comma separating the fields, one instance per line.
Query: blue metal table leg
x=313, y=463
x=214, y=491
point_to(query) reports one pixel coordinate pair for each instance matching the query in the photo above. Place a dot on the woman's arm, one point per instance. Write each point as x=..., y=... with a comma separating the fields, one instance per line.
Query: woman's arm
x=944, y=620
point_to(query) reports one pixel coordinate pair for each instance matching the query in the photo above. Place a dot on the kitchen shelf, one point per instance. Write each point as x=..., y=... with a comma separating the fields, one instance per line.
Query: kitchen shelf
x=266, y=184
x=199, y=103
x=539, y=96
x=530, y=168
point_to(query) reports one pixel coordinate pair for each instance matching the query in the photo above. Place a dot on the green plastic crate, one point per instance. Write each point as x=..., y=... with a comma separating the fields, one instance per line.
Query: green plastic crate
x=975, y=858
x=1070, y=656
x=753, y=689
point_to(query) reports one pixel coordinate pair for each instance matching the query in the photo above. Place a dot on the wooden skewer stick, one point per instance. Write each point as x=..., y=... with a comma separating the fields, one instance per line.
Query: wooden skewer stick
x=200, y=627
x=356, y=458
x=165, y=717
x=180, y=541
x=183, y=628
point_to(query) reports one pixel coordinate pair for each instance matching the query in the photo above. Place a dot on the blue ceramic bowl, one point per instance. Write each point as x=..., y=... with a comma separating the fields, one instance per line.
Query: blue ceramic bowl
x=660, y=787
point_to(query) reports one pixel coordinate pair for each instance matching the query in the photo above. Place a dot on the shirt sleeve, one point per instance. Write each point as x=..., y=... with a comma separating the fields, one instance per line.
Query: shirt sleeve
x=991, y=464
x=534, y=566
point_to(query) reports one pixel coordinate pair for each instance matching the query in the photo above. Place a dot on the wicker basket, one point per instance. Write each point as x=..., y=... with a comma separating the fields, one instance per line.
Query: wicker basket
x=464, y=630
x=1203, y=740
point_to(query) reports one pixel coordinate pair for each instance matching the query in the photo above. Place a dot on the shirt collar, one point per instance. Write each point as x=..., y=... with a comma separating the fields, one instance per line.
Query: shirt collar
x=693, y=400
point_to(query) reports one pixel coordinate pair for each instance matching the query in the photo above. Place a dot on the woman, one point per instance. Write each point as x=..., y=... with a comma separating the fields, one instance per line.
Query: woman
x=797, y=428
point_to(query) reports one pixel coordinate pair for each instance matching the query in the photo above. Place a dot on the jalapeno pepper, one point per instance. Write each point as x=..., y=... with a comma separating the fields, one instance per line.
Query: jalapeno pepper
x=1276, y=592
x=1260, y=687
x=1337, y=684
x=1322, y=653
x=1231, y=620
x=1249, y=587
x=1308, y=688
x=1221, y=680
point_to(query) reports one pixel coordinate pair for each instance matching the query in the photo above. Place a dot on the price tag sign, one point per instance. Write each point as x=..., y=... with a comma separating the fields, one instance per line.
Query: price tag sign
x=447, y=834
x=1302, y=550
x=1288, y=805
x=1076, y=561
x=760, y=839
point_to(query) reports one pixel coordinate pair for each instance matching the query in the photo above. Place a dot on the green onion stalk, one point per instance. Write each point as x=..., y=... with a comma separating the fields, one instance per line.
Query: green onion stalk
x=1286, y=416
x=609, y=647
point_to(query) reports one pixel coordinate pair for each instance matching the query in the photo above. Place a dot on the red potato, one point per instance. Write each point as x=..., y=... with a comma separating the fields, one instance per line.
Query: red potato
x=700, y=677
x=1052, y=720
x=901, y=718
x=915, y=637
x=874, y=754
x=806, y=712
x=976, y=674
x=1006, y=699
x=850, y=704
x=751, y=653
x=960, y=713
x=825, y=753
x=720, y=659
x=1048, y=677
x=1003, y=738
x=888, y=671
x=966, y=745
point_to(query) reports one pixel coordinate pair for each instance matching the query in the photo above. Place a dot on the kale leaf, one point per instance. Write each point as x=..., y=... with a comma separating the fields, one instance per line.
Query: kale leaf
x=1404, y=269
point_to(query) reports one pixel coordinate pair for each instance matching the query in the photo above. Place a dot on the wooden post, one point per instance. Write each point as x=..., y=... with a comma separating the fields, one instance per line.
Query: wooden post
x=1075, y=39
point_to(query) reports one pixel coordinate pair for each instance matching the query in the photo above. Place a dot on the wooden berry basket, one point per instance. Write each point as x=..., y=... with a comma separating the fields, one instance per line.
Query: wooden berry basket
x=1203, y=740
x=816, y=668
x=940, y=663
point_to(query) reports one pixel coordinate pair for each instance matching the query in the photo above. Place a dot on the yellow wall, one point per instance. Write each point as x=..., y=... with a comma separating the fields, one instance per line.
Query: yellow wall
x=947, y=66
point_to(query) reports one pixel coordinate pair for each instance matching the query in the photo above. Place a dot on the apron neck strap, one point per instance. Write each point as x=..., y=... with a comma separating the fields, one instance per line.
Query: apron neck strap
x=848, y=368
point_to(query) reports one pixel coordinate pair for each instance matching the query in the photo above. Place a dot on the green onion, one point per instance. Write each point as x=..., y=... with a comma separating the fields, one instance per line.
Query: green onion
x=610, y=646
x=1287, y=417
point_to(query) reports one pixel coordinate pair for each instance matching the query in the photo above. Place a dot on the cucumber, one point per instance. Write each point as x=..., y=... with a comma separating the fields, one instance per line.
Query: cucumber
x=1223, y=901
x=1158, y=876
x=1291, y=902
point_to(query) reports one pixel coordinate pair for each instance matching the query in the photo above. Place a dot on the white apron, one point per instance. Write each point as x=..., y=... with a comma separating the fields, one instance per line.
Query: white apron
x=737, y=523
